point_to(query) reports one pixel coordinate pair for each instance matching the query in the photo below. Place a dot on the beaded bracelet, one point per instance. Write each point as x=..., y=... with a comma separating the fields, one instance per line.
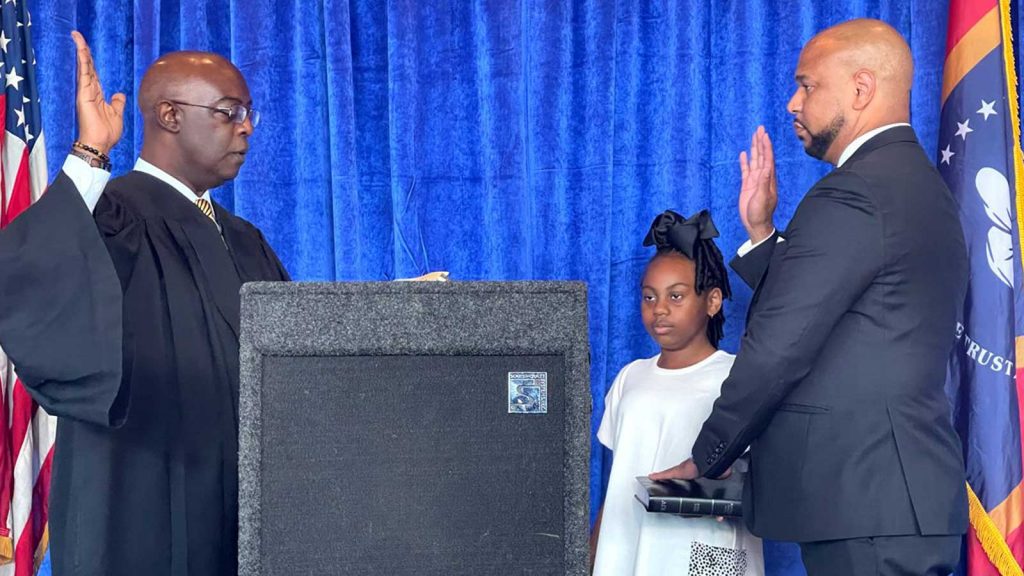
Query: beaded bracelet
x=91, y=150
x=93, y=161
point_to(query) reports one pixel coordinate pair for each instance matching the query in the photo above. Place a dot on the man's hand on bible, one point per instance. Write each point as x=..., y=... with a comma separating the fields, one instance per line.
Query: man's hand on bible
x=686, y=470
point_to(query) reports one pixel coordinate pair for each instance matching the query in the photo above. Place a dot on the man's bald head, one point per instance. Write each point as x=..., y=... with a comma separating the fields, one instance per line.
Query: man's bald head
x=852, y=78
x=869, y=44
x=176, y=75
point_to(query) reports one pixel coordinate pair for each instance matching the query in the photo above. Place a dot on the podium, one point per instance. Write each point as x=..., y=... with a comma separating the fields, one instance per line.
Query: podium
x=427, y=428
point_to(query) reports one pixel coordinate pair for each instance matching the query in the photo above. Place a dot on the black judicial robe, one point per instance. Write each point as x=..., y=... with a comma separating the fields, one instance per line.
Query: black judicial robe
x=125, y=325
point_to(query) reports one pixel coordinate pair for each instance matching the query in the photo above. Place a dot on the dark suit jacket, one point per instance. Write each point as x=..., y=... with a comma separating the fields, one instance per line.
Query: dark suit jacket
x=838, y=386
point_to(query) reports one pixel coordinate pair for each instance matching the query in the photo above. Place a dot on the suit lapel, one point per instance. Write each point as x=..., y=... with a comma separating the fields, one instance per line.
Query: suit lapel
x=204, y=248
x=215, y=263
x=239, y=243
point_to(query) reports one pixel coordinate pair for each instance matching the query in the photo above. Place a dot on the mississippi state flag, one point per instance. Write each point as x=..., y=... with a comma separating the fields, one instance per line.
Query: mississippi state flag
x=980, y=158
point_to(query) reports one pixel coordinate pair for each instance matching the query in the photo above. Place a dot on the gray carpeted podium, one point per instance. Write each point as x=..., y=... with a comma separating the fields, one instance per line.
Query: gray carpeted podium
x=427, y=428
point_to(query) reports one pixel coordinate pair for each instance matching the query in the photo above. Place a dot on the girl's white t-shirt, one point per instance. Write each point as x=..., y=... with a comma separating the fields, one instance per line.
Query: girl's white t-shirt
x=651, y=418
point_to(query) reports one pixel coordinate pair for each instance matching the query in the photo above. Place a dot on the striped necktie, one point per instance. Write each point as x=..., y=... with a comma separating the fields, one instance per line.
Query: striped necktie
x=206, y=208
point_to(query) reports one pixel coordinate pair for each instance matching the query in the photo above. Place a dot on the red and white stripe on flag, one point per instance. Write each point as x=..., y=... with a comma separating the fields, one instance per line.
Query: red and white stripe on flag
x=27, y=432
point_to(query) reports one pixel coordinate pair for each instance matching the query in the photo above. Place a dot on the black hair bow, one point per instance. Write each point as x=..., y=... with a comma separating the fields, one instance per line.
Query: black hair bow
x=671, y=230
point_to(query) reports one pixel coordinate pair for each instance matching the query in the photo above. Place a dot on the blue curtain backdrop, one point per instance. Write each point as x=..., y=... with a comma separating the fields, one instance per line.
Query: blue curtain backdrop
x=496, y=139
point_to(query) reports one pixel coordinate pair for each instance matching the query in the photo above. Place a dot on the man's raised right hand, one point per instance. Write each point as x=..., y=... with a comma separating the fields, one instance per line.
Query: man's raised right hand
x=758, y=191
x=99, y=123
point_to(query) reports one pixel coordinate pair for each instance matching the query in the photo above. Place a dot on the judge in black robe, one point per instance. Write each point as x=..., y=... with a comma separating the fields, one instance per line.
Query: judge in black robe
x=124, y=323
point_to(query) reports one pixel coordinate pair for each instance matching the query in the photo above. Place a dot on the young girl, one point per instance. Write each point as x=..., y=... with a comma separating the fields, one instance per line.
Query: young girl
x=656, y=407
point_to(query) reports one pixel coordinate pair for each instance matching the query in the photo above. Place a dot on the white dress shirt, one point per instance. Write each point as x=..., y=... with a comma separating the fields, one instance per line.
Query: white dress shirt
x=90, y=181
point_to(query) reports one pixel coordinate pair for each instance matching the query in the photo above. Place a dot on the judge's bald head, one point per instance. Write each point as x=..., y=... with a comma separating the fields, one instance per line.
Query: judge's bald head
x=851, y=78
x=185, y=99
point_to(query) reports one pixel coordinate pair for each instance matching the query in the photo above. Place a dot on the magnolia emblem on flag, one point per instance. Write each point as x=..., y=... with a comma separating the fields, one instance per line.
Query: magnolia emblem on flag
x=994, y=190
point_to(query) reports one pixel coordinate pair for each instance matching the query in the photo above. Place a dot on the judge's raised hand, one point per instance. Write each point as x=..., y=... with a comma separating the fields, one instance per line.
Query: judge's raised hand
x=758, y=191
x=99, y=122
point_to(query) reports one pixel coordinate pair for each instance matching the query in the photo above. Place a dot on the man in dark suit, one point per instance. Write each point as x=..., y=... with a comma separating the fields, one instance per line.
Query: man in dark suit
x=121, y=313
x=838, y=385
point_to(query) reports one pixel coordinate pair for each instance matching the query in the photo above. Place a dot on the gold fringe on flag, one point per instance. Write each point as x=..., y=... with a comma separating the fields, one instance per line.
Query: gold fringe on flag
x=6, y=550
x=1011, y=93
x=44, y=543
x=991, y=538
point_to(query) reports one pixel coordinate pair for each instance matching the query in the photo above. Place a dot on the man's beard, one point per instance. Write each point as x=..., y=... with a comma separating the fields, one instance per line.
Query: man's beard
x=822, y=141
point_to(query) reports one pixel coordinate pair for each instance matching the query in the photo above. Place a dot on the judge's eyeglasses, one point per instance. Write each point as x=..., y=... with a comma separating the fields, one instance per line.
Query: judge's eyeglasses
x=236, y=113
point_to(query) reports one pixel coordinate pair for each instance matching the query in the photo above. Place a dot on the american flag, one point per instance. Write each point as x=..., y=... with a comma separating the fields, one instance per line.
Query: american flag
x=26, y=431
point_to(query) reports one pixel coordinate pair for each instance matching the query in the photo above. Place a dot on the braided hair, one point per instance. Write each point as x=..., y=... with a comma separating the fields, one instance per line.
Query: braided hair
x=693, y=238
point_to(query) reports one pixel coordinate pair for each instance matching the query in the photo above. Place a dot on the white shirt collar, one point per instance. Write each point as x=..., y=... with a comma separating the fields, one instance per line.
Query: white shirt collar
x=147, y=168
x=856, y=144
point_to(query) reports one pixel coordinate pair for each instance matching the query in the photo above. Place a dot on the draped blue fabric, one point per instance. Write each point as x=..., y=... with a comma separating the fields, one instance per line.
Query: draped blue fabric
x=495, y=139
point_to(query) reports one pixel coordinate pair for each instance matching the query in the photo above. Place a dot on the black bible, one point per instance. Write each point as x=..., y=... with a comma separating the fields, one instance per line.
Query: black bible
x=700, y=497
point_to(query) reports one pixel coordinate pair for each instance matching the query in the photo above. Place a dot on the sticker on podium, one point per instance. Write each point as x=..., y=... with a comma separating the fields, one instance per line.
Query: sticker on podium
x=527, y=392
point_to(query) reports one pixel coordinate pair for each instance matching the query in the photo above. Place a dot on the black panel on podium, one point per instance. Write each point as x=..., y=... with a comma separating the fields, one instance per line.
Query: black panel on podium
x=425, y=428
